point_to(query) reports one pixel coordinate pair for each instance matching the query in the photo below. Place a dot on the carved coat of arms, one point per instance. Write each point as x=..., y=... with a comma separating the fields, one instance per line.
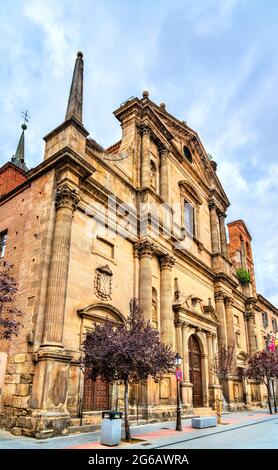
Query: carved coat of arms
x=103, y=282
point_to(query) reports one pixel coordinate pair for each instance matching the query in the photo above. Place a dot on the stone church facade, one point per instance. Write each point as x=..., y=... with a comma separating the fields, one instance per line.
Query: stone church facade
x=90, y=228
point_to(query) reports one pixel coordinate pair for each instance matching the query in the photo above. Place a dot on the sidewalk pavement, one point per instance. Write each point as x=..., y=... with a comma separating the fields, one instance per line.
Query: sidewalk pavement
x=149, y=436
x=164, y=434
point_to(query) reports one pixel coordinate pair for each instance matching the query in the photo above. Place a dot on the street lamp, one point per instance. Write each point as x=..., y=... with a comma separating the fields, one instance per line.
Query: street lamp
x=178, y=361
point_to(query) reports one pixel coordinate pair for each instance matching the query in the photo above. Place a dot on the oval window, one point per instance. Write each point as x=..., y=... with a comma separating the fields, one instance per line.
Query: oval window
x=187, y=154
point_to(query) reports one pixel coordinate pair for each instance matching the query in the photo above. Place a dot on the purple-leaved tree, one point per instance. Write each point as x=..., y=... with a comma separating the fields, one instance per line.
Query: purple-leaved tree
x=9, y=323
x=127, y=353
x=262, y=367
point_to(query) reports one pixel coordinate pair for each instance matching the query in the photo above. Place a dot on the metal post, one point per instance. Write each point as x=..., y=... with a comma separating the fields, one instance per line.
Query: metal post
x=178, y=425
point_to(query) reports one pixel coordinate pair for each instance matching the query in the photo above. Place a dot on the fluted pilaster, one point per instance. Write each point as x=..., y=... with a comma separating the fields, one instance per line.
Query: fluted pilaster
x=66, y=203
x=220, y=312
x=249, y=316
x=166, y=312
x=229, y=308
x=223, y=236
x=145, y=252
x=164, y=174
x=215, y=242
x=145, y=167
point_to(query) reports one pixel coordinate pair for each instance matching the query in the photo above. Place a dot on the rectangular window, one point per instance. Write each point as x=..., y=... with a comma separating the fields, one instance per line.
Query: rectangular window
x=105, y=248
x=3, y=241
x=265, y=319
x=189, y=218
x=274, y=324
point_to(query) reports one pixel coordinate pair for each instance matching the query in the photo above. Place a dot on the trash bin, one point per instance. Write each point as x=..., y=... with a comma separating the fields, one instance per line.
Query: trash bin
x=111, y=428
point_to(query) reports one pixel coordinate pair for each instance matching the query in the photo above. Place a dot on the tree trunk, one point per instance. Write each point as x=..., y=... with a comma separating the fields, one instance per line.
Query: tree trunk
x=268, y=396
x=127, y=429
x=274, y=397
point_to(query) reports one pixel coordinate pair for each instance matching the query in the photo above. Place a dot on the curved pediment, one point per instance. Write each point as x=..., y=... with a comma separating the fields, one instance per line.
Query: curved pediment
x=187, y=187
x=100, y=312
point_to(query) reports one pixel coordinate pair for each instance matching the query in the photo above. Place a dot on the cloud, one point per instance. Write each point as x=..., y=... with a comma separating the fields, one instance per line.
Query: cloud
x=210, y=61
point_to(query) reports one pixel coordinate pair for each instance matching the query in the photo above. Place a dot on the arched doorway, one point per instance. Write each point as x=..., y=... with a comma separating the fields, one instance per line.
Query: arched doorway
x=195, y=374
x=97, y=394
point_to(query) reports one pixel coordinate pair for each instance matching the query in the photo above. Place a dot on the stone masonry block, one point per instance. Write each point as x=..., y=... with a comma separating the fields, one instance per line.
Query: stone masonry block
x=204, y=422
x=22, y=389
x=12, y=379
x=19, y=358
x=20, y=402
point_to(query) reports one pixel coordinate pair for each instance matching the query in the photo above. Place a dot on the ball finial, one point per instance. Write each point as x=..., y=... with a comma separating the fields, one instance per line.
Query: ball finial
x=145, y=94
x=80, y=54
x=162, y=105
x=24, y=127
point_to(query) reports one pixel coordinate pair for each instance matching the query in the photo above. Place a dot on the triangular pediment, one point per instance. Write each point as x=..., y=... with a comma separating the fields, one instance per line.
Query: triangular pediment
x=183, y=135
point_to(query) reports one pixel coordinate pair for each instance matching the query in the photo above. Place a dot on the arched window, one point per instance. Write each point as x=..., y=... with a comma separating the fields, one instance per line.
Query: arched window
x=248, y=250
x=153, y=176
x=154, y=308
x=187, y=154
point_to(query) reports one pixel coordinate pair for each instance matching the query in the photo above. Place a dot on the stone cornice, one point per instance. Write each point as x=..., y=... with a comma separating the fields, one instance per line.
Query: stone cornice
x=65, y=156
x=191, y=317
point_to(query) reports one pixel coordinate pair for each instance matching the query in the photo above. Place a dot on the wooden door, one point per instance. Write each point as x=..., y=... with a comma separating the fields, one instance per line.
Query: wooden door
x=96, y=394
x=195, y=371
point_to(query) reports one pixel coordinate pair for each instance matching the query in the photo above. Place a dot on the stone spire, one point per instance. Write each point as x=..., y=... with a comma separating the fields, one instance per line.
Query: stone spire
x=18, y=158
x=75, y=102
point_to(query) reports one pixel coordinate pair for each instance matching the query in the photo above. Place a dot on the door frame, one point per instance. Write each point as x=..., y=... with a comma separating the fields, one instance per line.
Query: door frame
x=200, y=370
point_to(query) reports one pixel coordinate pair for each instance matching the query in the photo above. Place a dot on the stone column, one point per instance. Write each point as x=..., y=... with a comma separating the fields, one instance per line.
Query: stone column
x=249, y=316
x=66, y=203
x=185, y=352
x=223, y=235
x=187, y=386
x=166, y=296
x=145, y=250
x=178, y=326
x=214, y=349
x=214, y=228
x=145, y=168
x=210, y=358
x=231, y=339
x=164, y=174
x=220, y=312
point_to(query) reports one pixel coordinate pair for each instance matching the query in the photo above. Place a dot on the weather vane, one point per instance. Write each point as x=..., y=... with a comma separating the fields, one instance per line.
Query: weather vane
x=25, y=116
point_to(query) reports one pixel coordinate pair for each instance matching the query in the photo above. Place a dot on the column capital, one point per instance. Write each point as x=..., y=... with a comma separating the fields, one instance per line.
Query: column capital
x=249, y=315
x=222, y=215
x=178, y=323
x=144, y=249
x=229, y=301
x=219, y=296
x=164, y=151
x=209, y=334
x=66, y=197
x=166, y=261
x=144, y=129
x=212, y=204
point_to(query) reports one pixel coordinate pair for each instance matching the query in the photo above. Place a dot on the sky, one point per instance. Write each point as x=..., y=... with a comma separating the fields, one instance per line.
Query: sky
x=213, y=62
